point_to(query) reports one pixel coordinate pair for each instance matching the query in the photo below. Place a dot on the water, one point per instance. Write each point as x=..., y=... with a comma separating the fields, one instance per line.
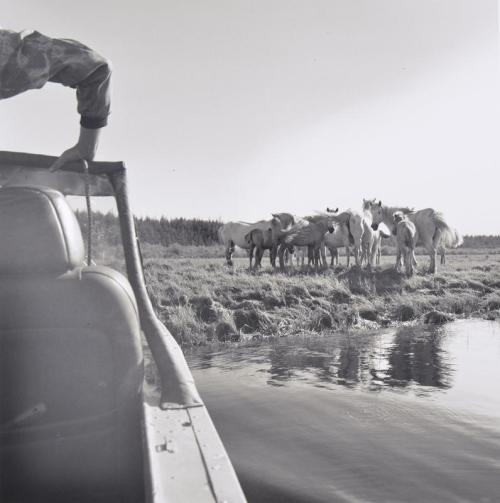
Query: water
x=400, y=415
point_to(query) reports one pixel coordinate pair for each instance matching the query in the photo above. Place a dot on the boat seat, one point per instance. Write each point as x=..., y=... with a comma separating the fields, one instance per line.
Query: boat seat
x=71, y=364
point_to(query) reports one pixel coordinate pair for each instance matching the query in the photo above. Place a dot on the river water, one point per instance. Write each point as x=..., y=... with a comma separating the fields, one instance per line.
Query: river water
x=401, y=415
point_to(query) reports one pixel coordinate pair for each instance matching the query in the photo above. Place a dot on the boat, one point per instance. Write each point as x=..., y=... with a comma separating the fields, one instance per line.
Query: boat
x=78, y=421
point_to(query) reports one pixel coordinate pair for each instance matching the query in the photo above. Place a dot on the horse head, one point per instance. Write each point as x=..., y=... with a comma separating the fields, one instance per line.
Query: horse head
x=398, y=216
x=368, y=204
x=329, y=210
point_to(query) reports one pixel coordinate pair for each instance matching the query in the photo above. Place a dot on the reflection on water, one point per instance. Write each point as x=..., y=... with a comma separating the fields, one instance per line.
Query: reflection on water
x=397, y=415
x=404, y=358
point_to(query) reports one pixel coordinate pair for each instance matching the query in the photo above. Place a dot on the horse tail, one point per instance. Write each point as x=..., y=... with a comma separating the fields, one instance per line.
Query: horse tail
x=451, y=238
x=442, y=229
x=410, y=239
x=351, y=237
x=459, y=240
x=220, y=234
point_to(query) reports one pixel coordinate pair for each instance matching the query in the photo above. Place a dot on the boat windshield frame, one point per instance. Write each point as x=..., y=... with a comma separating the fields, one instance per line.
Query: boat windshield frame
x=109, y=179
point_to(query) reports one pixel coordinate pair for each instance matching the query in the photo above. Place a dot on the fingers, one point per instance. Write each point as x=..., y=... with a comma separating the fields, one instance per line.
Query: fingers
x=70, y=155
x=58, y=164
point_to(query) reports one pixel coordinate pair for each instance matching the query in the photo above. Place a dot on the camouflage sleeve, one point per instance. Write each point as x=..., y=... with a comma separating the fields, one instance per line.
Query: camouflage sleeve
x=29, y=60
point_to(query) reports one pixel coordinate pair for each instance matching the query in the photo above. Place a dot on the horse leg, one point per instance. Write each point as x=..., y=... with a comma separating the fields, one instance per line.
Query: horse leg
x=273, y=252
x=316, y=259
x=348, y=254
x=432, y=251
x=322, y=249
x=310, y=256
x=229, y=253
x=433, y=255
x=408, y=262
x=258, y=257
x=250, y=255
x=281, y=252
x=436, y=244
x=287, y=257
x=398, y=260
x=356, y=255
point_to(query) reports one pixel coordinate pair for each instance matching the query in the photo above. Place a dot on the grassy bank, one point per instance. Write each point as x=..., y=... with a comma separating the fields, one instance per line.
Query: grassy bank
x=202, y=300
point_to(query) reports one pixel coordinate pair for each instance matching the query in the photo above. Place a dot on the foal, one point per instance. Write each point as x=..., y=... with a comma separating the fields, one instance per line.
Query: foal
x=405, y=232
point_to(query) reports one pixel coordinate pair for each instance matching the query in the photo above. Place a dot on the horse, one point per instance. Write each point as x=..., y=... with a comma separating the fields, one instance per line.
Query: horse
x=338, y=238
x=379, y=231
x=359, y=224
x=310, y=232
x=258, y=240
x=300, y=254
x=232, y=234
x=405, y=231
x=279, y=224
x=431, y=227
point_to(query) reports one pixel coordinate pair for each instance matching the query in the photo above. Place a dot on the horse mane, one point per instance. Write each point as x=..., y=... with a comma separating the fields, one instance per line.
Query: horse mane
x=251, y=223
x=284, y=215
x=319, y=218
x=390, y=210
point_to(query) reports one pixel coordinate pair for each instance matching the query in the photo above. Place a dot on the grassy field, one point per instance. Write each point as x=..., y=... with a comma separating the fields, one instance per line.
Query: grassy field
x=202, y=300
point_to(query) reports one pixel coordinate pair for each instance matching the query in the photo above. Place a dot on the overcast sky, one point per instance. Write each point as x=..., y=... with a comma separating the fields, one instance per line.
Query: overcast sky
x=234, y=109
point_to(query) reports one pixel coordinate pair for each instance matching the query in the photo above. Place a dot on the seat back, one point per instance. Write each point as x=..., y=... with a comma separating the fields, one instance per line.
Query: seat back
x=71, y=364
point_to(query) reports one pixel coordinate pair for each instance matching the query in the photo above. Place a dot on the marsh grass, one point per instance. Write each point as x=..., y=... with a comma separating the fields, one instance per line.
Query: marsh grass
x=202, y=300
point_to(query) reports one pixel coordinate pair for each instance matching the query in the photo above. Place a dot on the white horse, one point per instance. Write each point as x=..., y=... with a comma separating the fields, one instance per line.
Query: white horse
x=359, y=224
x=405, y=234
x=379, y=231
x=232, y=234
x=430, y=225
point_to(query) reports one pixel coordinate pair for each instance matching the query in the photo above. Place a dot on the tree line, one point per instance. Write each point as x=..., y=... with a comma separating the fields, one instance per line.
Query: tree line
x=162, y=231
x=198, y=232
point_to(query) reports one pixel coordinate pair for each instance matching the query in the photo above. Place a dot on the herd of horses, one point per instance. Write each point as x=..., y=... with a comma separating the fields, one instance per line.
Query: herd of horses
x=362, y=230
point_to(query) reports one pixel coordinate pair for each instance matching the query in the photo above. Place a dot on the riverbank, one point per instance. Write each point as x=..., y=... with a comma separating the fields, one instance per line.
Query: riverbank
x=202, y=300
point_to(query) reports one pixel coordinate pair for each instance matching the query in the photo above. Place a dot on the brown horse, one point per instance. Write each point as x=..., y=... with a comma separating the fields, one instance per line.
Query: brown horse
x=309, y=231
x=258, y=240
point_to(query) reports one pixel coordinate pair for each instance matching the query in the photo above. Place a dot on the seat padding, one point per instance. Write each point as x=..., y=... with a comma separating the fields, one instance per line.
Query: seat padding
x=39, y=232
x=71, y=343
x=71, y=363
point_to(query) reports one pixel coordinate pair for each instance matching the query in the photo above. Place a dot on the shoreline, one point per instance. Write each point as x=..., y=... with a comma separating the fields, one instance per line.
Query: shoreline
x=203, y=301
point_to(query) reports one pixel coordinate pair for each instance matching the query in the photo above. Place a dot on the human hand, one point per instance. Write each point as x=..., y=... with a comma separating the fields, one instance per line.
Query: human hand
x=85, y=149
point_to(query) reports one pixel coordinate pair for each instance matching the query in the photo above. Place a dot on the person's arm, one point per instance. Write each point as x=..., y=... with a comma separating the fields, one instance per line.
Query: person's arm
x=28, y=61
x=85, y=149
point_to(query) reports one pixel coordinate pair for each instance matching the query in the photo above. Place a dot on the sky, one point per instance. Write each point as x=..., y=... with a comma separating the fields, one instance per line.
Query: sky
x=232, y=109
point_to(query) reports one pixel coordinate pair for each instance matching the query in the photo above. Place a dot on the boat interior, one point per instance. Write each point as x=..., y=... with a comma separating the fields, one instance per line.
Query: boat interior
x=71, y=363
